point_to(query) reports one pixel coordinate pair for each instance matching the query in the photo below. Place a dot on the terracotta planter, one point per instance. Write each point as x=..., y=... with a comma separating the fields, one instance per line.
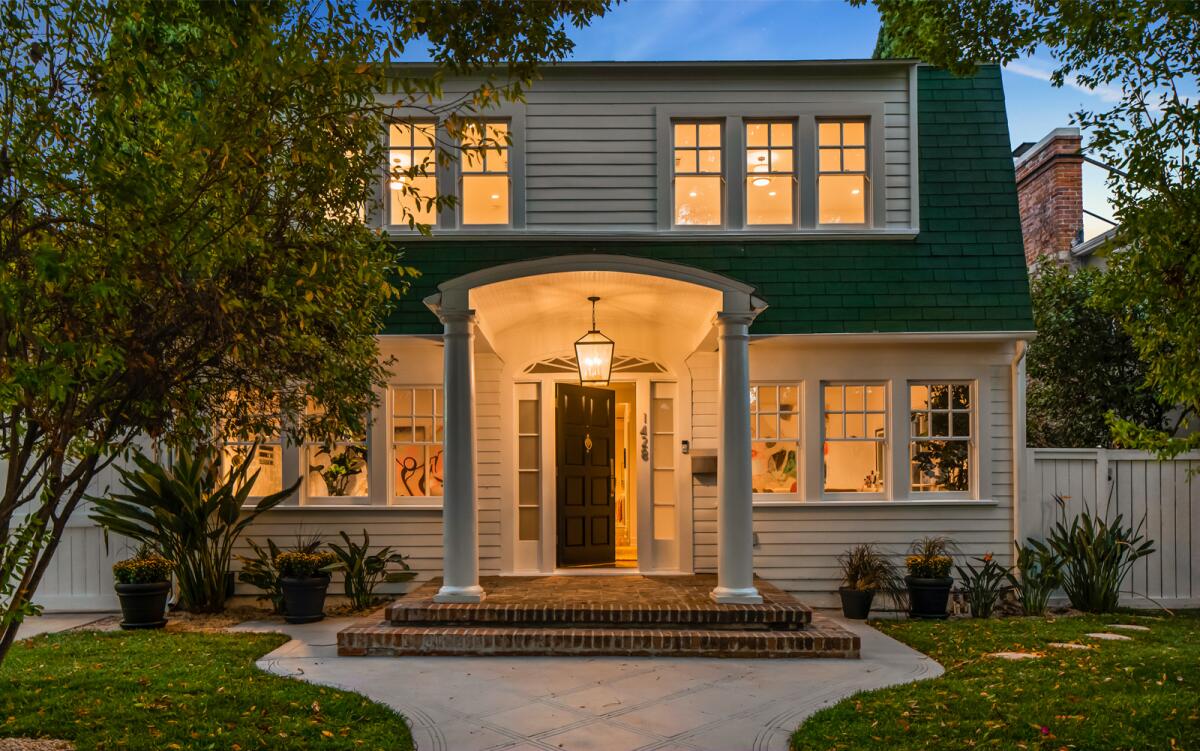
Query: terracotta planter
x=927, y=598
x=304, y=599
x=856, y=603
x=143, y=605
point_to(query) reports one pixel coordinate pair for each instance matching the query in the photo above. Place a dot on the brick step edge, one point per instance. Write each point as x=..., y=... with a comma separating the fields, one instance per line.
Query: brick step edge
x=386, y=639
x=410, y=614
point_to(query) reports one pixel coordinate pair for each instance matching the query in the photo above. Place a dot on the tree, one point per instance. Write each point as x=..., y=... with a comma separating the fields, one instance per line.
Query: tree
x=1082, y=366
x=182, y=251
x=1146, y=54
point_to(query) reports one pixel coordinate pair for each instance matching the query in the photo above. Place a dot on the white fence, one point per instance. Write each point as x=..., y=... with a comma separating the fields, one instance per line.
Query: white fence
x=1166, y=495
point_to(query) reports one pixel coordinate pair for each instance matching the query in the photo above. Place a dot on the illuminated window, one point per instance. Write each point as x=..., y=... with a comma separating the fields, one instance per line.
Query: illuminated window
x=417, y=426
x=267, y=460
x=529, y=462
x=698, y=180
x=855, y=425
x=940, y=436
x=662, y=459
x=770, y=173
x=337, y=468
x=842, y=172
x=412, y=184
x=485, y=185
x=775, y=437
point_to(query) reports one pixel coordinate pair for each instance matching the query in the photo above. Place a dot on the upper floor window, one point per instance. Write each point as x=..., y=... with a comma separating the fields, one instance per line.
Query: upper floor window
x=855, y=437
x=941, y=436
x=770, y=173
x=485, y=174
x=842, y=172
x=411, y=144
x=698, y=180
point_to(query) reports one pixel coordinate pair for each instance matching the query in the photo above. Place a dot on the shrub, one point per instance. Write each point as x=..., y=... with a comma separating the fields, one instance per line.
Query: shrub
x=1040, y=574
x=300, y=564
x=928, y=558
x=1096, y=557
x=190, y=513
x=365, y=570
x=143, y=568
x=260, y=569
x=983, y=586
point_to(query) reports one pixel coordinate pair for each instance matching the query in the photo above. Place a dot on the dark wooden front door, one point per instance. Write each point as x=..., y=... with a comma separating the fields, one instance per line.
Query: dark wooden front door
x=584, y=444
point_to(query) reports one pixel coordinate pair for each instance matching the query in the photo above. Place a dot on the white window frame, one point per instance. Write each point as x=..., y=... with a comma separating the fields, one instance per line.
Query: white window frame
x=971, y=440
x=396, y=224
x=768, y=498
x=818, y=173
x=886, y=466
x=487, y=154
x=722, y=149
x=439, y=413
x=771, y=147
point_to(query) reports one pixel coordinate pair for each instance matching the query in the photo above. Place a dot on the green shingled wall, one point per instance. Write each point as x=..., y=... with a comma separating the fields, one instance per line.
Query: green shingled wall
x=965, y=271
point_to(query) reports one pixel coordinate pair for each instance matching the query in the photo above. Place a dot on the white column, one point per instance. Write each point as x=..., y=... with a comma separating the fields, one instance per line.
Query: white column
x=735, y=514
x=460, y=524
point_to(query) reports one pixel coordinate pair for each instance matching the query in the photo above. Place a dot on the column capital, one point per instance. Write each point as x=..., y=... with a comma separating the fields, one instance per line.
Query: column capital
x=727, y=319
x=456, y=318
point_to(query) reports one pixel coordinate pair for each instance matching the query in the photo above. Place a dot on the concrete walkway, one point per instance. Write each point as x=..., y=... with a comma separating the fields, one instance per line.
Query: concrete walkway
x=584, y=703
x=52, y=623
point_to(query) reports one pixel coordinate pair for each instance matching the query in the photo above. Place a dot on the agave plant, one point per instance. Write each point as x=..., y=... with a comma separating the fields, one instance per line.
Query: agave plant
x=189, y=513
x=364, y=570
x=1096, y=556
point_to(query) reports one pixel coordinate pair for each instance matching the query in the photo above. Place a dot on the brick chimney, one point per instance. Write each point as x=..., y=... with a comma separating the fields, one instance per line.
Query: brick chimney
x=1050, y=194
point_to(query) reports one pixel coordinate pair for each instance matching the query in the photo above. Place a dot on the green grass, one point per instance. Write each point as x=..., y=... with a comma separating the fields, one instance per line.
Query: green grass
x=1140, y=694
x=157, y=690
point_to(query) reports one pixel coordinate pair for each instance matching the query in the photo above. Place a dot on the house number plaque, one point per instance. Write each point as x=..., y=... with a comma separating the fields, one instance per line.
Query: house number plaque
x=645, y=433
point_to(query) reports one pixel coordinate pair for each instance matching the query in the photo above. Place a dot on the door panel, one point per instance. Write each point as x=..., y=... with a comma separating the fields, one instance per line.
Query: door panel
x=584, y=440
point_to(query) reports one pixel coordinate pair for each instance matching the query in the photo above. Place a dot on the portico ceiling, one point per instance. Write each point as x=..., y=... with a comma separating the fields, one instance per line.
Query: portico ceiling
x=539, y=316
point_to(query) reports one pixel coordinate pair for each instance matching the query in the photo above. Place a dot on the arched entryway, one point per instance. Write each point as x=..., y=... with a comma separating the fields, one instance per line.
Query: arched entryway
x=657, y=312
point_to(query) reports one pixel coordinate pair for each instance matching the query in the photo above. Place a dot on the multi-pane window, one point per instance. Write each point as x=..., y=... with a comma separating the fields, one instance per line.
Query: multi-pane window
x=697, y=173
x=529, y=462
x=417, y=426
x=941, y=422
x=485, y=175
x=337, y=467
x=855, y=426
x=412, y=182
x=842, y=172
x=775, y=437
x=770, y=173
x=267, y=459
x=662, y=459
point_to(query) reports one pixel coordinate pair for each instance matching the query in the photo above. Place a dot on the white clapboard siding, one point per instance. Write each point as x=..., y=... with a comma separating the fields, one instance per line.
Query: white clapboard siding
x=1163, y=497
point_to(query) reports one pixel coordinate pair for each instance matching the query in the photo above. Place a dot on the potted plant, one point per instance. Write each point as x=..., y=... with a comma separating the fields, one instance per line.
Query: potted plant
x=143, y=584
x=304, y=581
x=865, y=571
x=928, y=579
x=342, y=467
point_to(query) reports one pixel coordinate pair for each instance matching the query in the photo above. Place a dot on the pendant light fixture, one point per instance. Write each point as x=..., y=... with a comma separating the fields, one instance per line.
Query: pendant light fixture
x=594, y=354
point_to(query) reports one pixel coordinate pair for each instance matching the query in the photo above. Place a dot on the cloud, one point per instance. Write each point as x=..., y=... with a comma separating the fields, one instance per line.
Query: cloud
x=1029, y=69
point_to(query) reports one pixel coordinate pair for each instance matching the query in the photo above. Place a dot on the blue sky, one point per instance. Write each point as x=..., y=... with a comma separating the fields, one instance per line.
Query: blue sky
x=818, y=29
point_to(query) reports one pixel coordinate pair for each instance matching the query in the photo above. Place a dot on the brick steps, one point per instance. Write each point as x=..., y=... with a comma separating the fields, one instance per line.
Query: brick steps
x=396, y=641
x=767, y=616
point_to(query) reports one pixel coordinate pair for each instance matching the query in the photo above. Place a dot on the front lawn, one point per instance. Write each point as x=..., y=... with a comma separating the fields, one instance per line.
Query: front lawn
x=156, y=690
x=1139, y=694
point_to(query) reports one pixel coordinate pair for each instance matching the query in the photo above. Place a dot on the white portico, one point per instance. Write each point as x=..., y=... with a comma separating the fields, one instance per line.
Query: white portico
x=659, y=314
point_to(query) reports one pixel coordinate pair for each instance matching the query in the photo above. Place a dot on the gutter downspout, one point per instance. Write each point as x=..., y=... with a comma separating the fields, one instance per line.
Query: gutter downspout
x=1017, y=374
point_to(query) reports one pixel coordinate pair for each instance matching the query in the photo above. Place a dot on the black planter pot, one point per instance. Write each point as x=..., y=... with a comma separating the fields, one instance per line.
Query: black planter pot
x=304, y=599
x=856, y=603
x=927, y=598
x=143, y=605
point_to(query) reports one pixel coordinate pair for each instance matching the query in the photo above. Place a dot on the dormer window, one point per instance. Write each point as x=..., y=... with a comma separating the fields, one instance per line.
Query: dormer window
x=842, y=178
x=410, y=144
x=770, y=174
x=485, y=175
x=698, y=180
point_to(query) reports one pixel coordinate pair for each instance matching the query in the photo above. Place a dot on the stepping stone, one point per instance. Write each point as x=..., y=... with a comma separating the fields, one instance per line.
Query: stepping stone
x=1067, y=645
x=1014, y=655
x=1127, y=627
x=1109, y=637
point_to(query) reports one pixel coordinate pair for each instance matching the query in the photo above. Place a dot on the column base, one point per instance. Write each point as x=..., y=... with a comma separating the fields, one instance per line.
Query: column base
x=448, y=594
x=744, y=596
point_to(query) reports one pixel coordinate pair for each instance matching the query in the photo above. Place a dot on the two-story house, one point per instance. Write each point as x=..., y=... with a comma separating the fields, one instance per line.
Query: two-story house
x=807, y=291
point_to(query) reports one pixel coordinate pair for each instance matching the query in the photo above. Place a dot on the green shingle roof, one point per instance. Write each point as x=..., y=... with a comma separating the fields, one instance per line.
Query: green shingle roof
x=964, y=272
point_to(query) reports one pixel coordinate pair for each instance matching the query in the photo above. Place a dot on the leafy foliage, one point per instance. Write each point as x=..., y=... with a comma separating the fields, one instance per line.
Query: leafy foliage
x=1144, y=57
x=364, y=570
x=1082, y=366
x=17, y=553
x=983, y=585
x=928, y=557
x=182, y=251
x=144, y=568
x=304, y=564
x=1040, y=574
x=169, y=690
x=191, y=514
x=342, y=466
x=260, y=570
x=1096, y=556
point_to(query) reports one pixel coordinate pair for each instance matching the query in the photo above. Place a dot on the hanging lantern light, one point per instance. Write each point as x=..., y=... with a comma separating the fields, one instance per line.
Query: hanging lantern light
x=594, y=354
